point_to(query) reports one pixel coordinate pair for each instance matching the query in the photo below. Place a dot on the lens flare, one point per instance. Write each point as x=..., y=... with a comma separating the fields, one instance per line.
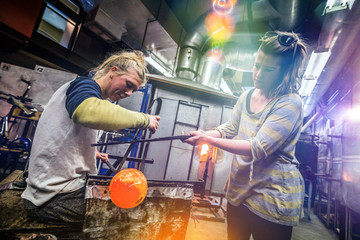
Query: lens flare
x=219, y=27
x=223, y=7
x=128, y=188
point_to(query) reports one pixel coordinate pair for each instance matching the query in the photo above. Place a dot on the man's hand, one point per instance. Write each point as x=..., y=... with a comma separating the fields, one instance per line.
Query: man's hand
x=154, y=123
x=104, y=157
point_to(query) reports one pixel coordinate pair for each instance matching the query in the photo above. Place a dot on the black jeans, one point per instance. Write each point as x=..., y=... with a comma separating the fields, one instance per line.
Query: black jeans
x=63, y=208
x=242, y=223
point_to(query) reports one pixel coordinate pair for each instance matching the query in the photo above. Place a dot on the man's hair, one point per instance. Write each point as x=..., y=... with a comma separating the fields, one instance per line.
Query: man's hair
x=124, y=60
x=292, y=65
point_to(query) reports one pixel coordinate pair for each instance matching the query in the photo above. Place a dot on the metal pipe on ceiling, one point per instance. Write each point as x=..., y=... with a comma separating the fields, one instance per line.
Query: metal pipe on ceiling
x=193, y=64
x=339, y=35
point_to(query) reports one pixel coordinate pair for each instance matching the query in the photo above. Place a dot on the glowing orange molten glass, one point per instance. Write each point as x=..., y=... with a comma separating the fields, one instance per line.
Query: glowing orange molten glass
x=128, y=188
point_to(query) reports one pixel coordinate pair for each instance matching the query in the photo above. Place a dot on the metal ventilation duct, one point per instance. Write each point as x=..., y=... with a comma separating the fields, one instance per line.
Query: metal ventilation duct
x=339, y=34
x=290, y=14
x=194, y=65
x=238, y=57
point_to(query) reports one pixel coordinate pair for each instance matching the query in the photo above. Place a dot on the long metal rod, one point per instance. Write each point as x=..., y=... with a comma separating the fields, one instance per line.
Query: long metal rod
x=111, y=167
x=192, y=151
x=310, y=121
x=133, y=159
x=142, y=164
x=179, y=137
x=173, y=131
x=103, y=150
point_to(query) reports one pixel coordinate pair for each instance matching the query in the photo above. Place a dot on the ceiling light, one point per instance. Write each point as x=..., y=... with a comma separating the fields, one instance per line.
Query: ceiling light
x=158, y=67
x=225, y=87
x=307, y=87
x=313, y=70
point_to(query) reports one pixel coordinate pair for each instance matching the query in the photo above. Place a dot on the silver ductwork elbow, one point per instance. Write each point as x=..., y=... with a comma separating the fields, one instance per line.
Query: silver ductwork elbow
x=189, y=56
x=211, y=70
x=191, y=50
x=236, y=57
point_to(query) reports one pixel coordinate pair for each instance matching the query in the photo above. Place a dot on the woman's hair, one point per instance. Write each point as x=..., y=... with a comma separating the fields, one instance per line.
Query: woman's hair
x=124, y=60
x=293, y=56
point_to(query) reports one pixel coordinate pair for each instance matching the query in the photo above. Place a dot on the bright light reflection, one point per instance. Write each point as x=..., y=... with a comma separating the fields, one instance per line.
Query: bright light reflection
x=353, y=114
x=346, y=177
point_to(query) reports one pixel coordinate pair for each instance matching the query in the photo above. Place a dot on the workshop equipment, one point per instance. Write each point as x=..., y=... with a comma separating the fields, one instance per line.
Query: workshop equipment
x=164, y=213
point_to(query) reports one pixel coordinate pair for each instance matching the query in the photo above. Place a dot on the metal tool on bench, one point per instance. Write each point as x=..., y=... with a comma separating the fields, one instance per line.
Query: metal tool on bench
x=113, y=167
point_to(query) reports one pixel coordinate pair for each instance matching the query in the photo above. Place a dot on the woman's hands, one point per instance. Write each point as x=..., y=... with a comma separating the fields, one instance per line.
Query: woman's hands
x=201, y=137
x=213, y=137
x=154, y=123
x=197, y=137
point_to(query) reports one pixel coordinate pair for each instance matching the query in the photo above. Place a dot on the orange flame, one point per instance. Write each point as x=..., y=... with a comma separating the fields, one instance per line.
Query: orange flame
x=204, y=149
